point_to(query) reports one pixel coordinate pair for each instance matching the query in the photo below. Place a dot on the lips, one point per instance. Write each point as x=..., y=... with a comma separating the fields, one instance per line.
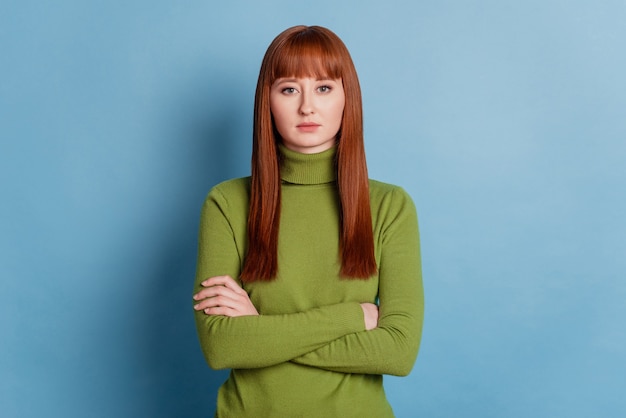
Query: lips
x=308, y=127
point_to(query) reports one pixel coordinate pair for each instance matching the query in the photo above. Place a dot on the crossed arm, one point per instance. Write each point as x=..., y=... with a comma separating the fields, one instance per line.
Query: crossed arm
x=346, y=337
x=221, y=295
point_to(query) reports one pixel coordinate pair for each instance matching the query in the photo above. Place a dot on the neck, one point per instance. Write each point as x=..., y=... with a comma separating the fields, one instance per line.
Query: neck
x=298, y=168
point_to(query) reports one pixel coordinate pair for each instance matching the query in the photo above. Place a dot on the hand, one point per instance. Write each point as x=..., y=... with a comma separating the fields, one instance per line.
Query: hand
x=223, y=296
x=370, y=313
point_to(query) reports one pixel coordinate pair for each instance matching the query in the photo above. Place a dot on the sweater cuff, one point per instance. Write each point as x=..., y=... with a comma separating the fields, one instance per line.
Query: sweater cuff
x=348, y=316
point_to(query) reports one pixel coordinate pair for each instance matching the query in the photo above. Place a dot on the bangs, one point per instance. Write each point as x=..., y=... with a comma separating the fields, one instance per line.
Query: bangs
x=302, y=52
x=309, y=54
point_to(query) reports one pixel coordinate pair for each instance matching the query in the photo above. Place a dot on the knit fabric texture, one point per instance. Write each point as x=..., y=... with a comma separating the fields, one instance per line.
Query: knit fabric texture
x=308, y=354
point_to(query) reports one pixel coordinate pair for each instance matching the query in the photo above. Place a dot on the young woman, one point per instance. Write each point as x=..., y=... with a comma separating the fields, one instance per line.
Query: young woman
x=308, y=281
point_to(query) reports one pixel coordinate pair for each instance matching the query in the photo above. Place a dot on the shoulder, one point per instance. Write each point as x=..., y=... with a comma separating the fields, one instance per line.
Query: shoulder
x=393, y=210
x=232, y=187
x=389, y=194
x=233, y=192
x=390, y=203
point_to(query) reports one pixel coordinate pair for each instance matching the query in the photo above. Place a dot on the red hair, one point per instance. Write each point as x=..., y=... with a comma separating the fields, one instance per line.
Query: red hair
x=311, y=51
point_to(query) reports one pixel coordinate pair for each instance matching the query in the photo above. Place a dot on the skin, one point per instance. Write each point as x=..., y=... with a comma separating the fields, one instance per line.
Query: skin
x=308, y=114
x=221, y=295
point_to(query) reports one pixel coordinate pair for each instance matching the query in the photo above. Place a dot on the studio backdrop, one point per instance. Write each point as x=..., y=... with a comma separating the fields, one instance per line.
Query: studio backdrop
x=504, y=120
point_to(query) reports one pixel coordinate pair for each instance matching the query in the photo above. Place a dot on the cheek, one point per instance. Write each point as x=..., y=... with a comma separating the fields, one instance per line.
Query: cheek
x=280, y=123
x=277, y=115
x=338, y=111
x=280, y=120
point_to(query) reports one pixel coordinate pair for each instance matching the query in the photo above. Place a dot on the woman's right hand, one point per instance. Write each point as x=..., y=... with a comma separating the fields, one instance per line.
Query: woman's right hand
x=221, y=295
x=370, y=313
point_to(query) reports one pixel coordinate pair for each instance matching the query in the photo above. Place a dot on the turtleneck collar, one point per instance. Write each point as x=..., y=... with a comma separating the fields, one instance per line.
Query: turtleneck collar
x=300, y=168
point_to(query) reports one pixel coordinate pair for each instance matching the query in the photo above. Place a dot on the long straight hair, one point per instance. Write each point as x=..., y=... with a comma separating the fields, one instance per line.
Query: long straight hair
x=311, y=51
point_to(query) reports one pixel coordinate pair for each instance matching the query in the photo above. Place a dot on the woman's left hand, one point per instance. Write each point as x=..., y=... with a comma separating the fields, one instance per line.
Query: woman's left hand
x=223, y=296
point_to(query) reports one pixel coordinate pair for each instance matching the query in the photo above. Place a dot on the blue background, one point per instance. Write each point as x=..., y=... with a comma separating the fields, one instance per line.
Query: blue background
x=505, y=120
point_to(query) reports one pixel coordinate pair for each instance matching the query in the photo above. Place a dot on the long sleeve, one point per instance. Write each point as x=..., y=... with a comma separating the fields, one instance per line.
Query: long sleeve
x=392, y=347
x=264, y=340
x=307, y=354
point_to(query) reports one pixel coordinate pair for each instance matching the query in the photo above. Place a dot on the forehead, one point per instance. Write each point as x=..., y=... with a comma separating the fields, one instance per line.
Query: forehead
x=306, y=64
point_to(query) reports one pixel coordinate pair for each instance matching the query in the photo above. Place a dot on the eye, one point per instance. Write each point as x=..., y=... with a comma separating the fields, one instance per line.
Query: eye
x=288, y=90
x=324, y=89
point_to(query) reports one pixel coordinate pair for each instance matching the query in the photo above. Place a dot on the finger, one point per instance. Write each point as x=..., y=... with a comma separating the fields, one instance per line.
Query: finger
x=225, y=281
x=220, y=310
x=221, y=296
x=217, y=301
x=212, y=291
x=216, y=281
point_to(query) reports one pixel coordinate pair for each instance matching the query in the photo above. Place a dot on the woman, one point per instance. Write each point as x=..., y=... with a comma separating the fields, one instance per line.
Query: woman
x=308, y=282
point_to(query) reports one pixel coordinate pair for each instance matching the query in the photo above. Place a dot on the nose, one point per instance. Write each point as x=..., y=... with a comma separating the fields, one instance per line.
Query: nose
x=306, y=104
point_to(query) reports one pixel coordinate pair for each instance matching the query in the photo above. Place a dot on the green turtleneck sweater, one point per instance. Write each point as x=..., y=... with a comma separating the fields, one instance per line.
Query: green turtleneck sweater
x=308, y=354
